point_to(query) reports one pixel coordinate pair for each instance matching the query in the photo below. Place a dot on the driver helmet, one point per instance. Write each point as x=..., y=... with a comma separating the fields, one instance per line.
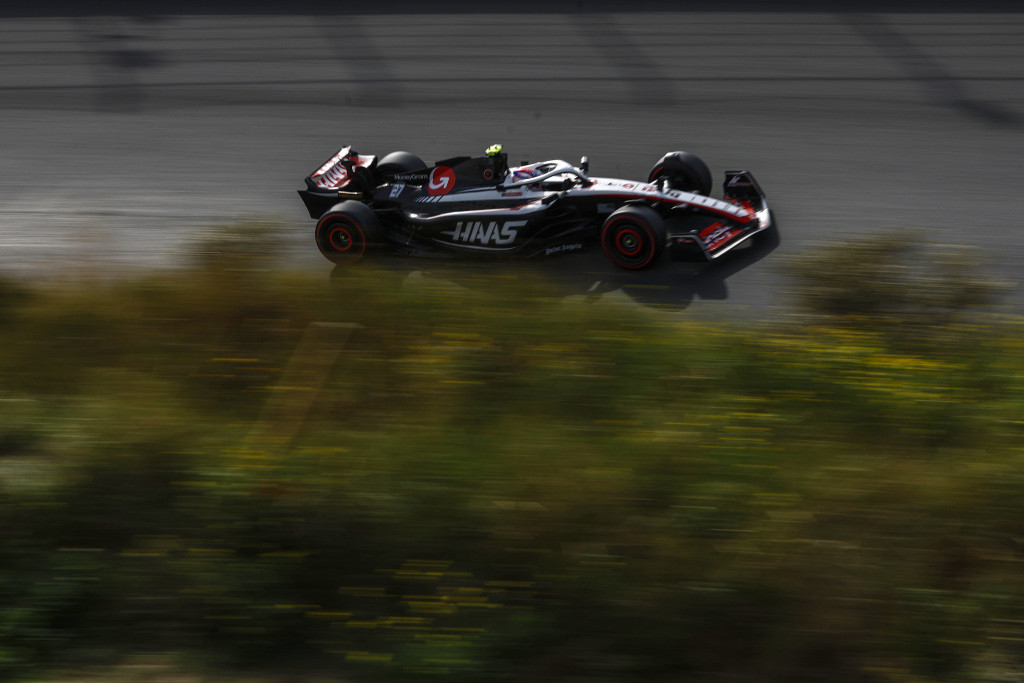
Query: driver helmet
x=498, y=160
x=523, y=173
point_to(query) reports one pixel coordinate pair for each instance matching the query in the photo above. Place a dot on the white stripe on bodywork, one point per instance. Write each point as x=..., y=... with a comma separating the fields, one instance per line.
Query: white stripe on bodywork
x=648, y=191
x=602, y=186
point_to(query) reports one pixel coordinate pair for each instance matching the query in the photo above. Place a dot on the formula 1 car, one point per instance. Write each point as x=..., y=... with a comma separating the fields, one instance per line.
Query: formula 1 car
x=481, y=206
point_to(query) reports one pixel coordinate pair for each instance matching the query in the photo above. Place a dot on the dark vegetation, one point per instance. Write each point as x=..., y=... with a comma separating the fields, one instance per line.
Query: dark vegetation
x=501, y=486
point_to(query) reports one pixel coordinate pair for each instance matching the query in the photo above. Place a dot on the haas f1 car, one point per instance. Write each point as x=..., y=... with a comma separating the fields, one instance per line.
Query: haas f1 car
x=481, y=206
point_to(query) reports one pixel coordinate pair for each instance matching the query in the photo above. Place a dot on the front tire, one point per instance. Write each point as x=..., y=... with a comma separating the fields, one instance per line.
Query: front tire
x=348, y=232
x=685, y=171
x=634, y=237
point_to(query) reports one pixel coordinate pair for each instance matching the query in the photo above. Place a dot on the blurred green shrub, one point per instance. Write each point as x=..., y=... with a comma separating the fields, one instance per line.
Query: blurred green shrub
x=493, y=484
x=12, y=294
x=897, y=279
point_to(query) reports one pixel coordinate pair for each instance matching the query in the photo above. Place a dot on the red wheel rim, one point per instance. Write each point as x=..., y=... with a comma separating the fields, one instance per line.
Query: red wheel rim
x=629, y=242
x=340, y=239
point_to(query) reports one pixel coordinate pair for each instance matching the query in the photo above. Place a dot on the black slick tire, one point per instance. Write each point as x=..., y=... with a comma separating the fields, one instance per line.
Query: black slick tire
x=395, y=163
x=634, y=237
x=348, y=232
x=685, y=171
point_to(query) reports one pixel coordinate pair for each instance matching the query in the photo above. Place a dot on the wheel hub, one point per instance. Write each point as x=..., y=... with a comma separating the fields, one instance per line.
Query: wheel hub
x=341, y=239
x=629, y=242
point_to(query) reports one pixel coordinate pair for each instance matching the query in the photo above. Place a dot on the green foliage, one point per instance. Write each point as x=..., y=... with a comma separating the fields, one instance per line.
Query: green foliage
x=12, y=294
x=491, y=484
x=897, y=280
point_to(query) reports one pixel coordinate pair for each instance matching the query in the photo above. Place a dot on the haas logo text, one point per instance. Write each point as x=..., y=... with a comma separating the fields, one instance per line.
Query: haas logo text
x=492, y=234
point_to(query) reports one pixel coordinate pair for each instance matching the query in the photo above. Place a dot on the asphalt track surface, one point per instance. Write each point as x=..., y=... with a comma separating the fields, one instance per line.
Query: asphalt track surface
x=126, y=137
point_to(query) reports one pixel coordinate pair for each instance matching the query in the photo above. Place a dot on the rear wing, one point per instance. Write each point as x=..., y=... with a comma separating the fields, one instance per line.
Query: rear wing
x=346, y=175
x=338, y=171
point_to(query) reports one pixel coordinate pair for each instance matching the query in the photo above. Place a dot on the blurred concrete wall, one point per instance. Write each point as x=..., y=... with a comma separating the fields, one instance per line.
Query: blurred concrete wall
x=62, y=8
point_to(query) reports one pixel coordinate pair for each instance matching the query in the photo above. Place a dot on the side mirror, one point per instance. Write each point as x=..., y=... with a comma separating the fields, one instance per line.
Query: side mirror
x=585, y=164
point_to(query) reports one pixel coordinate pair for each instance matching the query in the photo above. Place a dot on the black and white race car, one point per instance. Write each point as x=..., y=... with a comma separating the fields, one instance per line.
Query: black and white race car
x=480, y=206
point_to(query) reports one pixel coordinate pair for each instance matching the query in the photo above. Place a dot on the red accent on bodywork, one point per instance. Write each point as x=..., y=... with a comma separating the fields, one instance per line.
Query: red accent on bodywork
x=708, y=230
x=722, y=238
x=441, y=181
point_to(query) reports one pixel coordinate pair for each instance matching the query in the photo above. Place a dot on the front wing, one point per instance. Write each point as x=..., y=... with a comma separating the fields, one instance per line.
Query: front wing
x=718, y=239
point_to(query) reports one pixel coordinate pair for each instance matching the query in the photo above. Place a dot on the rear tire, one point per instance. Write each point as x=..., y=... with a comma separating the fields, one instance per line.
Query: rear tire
x=395, y=163
x=348, y=232
x=634, y=237
x=685, y=171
